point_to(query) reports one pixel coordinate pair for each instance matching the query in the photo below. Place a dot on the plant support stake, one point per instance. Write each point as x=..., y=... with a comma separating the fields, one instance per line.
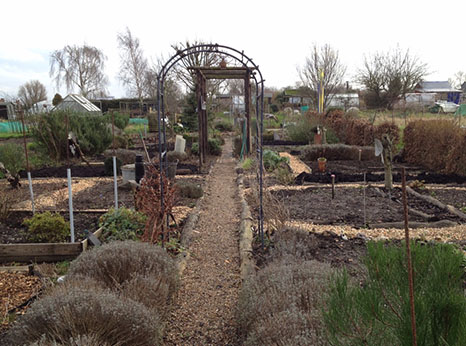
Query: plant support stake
x=364, y=199
x=408, y=257
x=333, y=186
x=31, y=192
x=115, y=184
x=70, y=202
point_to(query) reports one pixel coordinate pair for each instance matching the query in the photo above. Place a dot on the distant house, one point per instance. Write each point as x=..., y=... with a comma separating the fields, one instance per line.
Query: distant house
x=297, y=97
x=344, y=101
x=442, y=89
x=7, y=110
x=77, y=103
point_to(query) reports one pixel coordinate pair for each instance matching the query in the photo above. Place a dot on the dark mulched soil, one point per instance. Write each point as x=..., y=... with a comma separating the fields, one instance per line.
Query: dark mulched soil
x=13, y=231
x=315, y=204
x=353, y=171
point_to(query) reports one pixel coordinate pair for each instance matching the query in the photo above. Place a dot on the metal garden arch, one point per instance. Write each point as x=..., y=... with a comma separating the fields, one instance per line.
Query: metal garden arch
x=250, y=66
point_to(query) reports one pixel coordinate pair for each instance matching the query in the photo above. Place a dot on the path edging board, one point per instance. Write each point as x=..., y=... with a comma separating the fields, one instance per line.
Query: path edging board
x=245, y=234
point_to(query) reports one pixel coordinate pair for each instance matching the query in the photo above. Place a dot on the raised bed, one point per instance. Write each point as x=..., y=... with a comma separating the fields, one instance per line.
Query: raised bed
x=43, y=252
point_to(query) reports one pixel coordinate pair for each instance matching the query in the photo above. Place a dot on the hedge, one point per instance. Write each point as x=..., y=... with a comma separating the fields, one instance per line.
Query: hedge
x=437, y=145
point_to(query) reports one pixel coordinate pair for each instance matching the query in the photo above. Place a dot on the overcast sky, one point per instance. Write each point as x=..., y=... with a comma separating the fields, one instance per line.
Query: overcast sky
x=276, y=34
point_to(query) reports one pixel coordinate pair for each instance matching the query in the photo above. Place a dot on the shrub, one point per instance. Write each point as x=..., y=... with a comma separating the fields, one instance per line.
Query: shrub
x=354, y=131
x=13, y=158
x=189, y=190
x=80, y=314
x=337, y=152
x=224, y=126
x=122, y=224
x=49, y=132
x=272, y=160
x=281, y=305
x=377, y=312
x=195, y=149
x=121, y=120
x=436, y=145
x=47, y=227
x=248, y=164
x=214, y=146
x=121, y=266
x=237, y=145
x=108, y=166
x=284, y=175
x=7, y=199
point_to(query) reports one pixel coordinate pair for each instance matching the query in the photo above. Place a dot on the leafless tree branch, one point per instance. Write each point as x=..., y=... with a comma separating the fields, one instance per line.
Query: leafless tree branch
x=80, y=67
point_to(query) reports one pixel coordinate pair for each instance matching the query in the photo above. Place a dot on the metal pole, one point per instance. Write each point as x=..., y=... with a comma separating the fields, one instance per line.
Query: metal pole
x=364, y=199
x=31, y=192
x=261, y=168
x=70, y=203
x=115, y=183
x=408, y=258
x=159, y=97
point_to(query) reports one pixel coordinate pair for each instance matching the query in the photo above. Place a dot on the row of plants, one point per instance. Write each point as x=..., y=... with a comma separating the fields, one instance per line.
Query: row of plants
x=116, y=294
x=295, y=300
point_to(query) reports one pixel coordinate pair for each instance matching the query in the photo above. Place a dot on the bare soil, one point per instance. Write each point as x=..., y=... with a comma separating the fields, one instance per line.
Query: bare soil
x=203, y=312
x=315, y=204
x=95, y=193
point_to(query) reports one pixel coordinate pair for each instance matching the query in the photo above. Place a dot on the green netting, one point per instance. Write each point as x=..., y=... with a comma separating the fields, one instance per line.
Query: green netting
x=139, y=121
x=11, y=126
x=461, y=110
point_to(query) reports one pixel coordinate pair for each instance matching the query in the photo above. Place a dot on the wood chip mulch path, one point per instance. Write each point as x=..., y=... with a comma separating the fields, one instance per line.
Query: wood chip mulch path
x=15, y=289
x=204, y=310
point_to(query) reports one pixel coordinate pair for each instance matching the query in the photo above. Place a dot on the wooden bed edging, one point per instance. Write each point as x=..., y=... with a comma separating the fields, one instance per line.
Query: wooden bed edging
x=43, y=252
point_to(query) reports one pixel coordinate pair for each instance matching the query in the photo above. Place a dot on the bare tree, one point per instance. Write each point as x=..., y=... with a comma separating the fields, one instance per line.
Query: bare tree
x=32, y=92
x=172, y=91
x=322, y=59
x=199, y=58
x=458, y=79
x=133, y=66
x=80, y=67
x=389, y=76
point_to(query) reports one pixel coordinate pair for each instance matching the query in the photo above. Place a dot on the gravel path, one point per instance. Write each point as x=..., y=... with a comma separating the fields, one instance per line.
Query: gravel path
x=204, y=310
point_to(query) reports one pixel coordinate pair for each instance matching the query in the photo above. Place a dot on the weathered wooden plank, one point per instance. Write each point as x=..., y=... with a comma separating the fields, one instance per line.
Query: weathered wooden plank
x=45, y=252
x=18, y=269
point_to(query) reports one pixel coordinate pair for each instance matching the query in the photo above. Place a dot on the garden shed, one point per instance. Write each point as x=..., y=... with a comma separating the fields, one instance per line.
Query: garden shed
x=77, y=103
x=443, y=89
x=7, y=110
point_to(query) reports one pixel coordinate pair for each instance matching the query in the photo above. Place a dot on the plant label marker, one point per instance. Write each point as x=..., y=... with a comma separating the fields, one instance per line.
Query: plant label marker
x=333, y=186
x=70, y=202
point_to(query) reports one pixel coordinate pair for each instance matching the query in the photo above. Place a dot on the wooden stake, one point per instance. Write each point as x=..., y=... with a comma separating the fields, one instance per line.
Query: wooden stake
x=408, y=258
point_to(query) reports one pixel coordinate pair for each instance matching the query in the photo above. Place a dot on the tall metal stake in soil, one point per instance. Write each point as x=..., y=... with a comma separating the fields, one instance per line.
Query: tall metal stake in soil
x=364, y=199
x=408, y=257
x=115, y=185
x=31, y=192
x=68, y=174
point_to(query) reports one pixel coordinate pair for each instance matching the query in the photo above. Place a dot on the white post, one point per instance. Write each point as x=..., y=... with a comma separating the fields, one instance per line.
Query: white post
x=31, y=193
x=70, y=200
x=115, y=185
